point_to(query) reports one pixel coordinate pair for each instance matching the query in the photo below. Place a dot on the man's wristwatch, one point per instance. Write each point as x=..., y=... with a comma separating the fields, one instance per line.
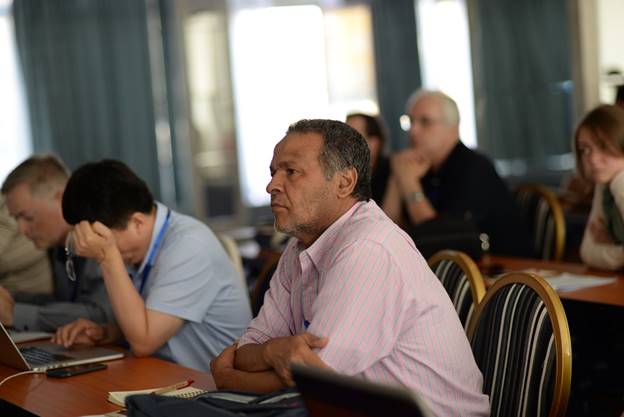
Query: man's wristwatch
x=415, y=196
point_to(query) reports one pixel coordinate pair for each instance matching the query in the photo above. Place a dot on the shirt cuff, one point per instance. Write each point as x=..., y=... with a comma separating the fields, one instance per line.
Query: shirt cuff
x=252, y=336
x=25, y=316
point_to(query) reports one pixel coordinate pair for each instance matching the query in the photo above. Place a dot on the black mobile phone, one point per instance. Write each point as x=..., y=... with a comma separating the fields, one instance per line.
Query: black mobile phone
x=75, y=370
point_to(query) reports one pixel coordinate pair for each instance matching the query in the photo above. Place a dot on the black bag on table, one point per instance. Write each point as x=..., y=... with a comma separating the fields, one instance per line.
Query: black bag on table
x=283, y=403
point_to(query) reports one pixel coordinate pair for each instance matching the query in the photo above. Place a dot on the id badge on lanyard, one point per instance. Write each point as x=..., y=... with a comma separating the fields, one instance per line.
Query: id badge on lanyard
x=153, y=251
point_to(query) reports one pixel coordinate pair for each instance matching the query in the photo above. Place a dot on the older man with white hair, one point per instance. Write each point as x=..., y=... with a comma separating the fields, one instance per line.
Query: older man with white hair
x=438, y=175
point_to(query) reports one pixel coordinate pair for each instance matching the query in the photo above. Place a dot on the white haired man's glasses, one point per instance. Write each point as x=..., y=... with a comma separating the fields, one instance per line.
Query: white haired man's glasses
x=406, y=121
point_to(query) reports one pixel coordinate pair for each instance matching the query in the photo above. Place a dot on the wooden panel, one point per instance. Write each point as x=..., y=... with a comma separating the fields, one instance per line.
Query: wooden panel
x=86, y=394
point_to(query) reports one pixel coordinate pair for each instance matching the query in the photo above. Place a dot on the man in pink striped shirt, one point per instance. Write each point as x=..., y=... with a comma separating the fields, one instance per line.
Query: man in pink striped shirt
x=351, y=291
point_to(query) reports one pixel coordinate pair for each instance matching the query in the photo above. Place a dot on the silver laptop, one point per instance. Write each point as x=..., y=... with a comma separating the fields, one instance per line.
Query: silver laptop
x=26, y=336
x=44, y=356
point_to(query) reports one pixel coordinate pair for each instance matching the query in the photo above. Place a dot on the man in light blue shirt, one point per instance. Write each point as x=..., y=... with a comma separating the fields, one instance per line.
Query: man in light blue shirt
x=172, y=287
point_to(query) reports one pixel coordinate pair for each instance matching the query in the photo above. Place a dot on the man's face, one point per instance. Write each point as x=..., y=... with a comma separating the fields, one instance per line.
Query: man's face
x=130, y=244
x=302, y=200
x=428, y=133
x=39, y=217
x=134, y=240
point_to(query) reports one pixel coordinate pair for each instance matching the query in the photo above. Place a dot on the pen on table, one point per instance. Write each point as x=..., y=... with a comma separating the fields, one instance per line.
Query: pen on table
x=178, y=385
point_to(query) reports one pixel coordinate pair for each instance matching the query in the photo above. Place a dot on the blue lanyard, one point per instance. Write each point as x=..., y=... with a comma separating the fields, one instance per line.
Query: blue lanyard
x=153, y=251
x=306, y=323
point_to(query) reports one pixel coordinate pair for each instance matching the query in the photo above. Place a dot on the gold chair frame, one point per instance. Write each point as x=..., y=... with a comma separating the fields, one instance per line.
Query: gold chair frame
x=271, y=259
x=561, y=331
x=470, y=268
x=557, y=213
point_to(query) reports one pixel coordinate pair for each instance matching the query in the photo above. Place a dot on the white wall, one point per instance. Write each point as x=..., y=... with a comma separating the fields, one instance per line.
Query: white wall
x=15, y=142
x=610, y=15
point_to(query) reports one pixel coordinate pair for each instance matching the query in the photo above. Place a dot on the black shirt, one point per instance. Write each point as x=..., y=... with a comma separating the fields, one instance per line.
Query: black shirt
x=468, y=186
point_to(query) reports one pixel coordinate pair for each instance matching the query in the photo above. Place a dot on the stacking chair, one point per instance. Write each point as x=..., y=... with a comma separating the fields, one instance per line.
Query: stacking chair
x=461, y=279
x=521, y=342
x=271, y=259
x=542, y=210
x=234, y=254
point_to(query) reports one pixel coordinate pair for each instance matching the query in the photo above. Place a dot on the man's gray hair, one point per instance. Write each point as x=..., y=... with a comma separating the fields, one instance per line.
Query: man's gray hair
x=343, y=147
x=450, y=112
x=44, y=174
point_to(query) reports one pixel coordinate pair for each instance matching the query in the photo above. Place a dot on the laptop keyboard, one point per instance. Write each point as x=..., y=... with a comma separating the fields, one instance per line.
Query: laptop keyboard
x=35, y=356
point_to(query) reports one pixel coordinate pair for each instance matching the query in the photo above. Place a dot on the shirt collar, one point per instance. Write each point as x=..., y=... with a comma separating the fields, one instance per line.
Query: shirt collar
x=161, y=214
x=325, y=241
x=449, y=161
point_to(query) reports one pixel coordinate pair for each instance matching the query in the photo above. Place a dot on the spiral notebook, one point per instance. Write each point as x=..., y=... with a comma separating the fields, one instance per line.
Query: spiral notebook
x=119, y=397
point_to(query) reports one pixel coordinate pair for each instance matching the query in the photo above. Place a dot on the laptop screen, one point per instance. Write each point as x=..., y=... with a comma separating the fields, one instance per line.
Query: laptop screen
x=329, y=393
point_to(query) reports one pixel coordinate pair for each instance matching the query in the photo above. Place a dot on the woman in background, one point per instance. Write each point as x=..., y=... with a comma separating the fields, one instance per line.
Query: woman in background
x=599, y=148
x=374, y=131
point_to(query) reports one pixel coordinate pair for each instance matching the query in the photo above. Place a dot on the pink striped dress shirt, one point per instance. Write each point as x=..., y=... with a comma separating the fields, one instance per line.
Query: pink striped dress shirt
x=365, y=286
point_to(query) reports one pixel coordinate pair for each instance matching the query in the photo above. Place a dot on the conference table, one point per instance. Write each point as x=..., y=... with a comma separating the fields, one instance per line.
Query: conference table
x=608, y=294
x=86, y=394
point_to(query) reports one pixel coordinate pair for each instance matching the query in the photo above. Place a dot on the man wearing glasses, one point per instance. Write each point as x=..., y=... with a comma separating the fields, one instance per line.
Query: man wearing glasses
x=438, y=177
x=33, y=193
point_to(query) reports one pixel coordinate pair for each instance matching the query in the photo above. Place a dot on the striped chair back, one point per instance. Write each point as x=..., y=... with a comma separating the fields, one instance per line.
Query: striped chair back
x=544, y=214
x=521, y=342
x=461, y=279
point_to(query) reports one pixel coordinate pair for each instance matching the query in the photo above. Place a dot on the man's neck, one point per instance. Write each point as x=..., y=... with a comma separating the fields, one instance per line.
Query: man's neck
x=437, y=163
x=345, y=205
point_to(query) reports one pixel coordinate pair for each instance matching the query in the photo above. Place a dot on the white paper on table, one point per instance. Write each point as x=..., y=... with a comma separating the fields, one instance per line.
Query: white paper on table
x=566, y=281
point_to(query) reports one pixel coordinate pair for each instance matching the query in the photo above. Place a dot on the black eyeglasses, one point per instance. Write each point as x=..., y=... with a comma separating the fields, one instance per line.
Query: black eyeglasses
x=407, y=121
x=69, y=260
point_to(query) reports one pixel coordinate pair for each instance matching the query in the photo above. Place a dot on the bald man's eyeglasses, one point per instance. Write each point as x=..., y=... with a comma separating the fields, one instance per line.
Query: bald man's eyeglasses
x=407, y=121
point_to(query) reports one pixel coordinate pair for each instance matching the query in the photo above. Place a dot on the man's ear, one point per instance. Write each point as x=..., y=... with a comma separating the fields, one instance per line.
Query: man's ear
x=58, y=196
x=138, y=222
x=347, y=179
